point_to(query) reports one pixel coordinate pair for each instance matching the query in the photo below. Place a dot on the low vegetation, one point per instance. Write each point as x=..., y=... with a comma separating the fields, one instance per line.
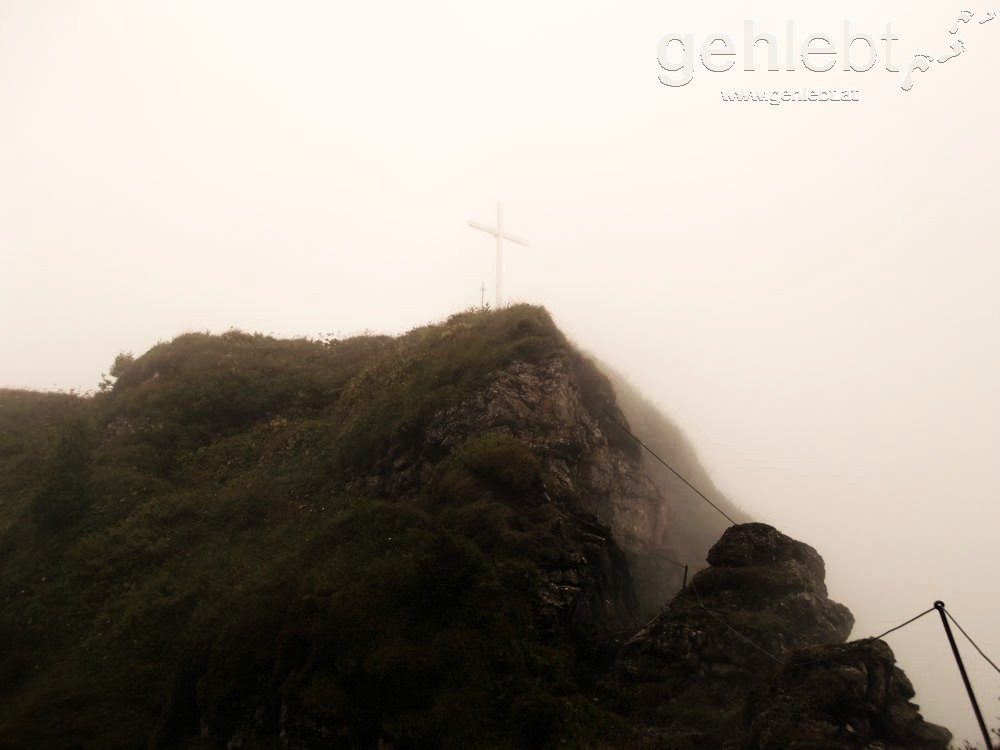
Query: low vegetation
x=186, y=552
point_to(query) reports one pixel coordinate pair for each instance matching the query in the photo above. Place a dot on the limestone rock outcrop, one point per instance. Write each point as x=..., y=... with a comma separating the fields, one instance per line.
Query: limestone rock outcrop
x=587, y=461
x=751, y=656
x=688, y=672
x=563, y=410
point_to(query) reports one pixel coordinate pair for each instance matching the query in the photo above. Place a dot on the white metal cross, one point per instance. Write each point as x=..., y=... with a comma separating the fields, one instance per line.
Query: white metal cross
x=501, y=236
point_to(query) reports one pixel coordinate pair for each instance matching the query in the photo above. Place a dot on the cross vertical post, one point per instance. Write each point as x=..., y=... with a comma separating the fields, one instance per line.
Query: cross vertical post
x=499, y=253
x=501, y=236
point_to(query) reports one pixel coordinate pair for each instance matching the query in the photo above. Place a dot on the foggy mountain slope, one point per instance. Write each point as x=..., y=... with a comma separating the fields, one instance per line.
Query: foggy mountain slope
x=436, y=540
x=698, y=525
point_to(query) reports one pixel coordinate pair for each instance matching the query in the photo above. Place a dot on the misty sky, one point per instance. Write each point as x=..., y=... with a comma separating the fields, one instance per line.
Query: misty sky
x=809, y=289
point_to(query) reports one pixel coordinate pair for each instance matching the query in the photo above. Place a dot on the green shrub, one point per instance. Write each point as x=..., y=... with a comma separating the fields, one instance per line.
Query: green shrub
x=494, y=464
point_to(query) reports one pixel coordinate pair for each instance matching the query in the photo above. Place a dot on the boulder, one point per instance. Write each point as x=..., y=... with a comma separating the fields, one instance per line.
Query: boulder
x=687, y=675
x=842, y=697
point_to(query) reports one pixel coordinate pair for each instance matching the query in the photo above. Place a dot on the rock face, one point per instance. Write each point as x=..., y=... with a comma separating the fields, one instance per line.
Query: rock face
x=751, y=656
x=689, y=671
x=586, y=463
x=848, y=697
x=563, y=410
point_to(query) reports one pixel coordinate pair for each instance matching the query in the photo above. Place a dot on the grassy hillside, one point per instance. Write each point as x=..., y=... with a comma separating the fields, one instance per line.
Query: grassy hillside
x=189, y=557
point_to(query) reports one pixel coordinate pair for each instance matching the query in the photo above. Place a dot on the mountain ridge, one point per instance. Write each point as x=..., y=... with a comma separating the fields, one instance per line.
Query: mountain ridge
x=437, y=540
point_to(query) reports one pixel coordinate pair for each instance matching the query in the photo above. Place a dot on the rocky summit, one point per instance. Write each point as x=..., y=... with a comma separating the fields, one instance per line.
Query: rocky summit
x=447, y=539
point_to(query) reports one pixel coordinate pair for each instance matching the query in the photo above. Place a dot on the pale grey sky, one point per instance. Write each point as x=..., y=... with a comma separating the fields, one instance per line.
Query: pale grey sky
x=809, y=289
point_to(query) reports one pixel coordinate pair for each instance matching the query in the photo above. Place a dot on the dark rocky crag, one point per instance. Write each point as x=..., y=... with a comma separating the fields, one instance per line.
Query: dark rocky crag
x=564, y=415
x=758, y=622
x=445, y=540
x=843, y=697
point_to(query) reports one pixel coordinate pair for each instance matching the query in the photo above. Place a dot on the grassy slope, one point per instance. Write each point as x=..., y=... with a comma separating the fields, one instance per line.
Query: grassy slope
x=182, y=547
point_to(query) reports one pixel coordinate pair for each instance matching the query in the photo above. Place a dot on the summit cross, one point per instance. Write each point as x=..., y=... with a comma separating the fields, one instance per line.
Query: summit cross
x=501, y=236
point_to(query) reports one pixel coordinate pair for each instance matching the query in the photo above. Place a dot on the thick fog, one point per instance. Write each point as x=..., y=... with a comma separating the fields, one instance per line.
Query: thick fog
x=809, y=288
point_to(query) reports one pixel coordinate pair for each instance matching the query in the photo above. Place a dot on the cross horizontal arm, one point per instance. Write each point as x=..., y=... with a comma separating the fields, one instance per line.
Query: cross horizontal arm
x=482, y=227
x=492, y=231
x=514, y=239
